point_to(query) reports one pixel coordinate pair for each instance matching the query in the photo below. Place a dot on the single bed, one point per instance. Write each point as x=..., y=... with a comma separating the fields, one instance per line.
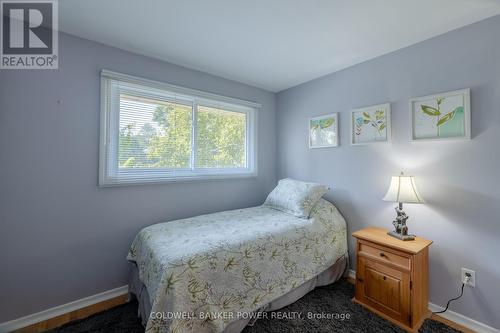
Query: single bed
x=210, y=273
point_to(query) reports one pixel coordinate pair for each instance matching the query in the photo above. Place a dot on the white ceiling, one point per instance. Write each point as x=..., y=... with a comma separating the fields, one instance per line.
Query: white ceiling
x=271, y=44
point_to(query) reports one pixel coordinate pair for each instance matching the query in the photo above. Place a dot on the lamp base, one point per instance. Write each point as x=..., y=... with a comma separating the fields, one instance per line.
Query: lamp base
x=400, y=228
x=401, y=236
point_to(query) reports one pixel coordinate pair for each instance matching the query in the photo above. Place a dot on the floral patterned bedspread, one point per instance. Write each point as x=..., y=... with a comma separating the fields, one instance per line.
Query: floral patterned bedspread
x=204, y=272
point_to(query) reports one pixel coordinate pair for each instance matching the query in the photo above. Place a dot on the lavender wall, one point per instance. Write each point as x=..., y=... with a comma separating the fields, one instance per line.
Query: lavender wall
x=459, y=180
x=61, y=237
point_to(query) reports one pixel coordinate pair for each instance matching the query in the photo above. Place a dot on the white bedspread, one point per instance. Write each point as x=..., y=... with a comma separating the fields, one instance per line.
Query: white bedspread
x=204, y=272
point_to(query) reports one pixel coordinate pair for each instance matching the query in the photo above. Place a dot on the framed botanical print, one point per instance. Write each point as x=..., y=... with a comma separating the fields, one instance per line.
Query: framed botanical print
x=443, y=116
x=371, y=124
x=323, y=131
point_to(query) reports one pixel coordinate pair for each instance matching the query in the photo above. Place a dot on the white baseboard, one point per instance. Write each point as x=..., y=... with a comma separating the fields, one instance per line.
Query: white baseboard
x=463, y=320
x=453, y=316
x=61, y=309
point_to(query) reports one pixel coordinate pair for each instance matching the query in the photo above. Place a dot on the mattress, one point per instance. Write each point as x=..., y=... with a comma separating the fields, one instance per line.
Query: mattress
x=203, y=273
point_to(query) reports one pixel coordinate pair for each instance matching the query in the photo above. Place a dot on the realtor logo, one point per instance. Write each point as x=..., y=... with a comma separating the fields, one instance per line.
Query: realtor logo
x=29, y=38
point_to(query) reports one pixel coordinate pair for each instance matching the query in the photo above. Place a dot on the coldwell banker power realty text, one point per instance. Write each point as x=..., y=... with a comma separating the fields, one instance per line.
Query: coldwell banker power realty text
x=29, y=38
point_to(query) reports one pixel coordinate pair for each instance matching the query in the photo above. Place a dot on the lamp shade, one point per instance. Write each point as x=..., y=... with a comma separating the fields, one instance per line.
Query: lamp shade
x=403, y=189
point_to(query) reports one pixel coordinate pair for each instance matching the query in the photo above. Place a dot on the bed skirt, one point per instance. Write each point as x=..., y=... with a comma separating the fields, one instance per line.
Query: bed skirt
x=138, y=291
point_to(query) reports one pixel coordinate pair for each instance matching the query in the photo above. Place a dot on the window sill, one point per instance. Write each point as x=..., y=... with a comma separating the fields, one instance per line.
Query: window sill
x=129, y=181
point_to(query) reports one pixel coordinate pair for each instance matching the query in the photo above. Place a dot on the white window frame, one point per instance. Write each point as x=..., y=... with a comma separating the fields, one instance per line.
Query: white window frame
x=109, y=172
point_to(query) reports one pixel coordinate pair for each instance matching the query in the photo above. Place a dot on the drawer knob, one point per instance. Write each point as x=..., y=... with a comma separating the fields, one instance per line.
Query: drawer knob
x=385, y=278
x=382, y=254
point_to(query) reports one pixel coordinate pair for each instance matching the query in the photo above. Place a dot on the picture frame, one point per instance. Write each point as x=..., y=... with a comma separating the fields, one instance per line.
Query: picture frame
x=441, y=117
x=324, y=131
x=371, y=124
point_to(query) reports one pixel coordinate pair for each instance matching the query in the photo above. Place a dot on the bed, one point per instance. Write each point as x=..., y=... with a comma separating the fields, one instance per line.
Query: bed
x=215, y=272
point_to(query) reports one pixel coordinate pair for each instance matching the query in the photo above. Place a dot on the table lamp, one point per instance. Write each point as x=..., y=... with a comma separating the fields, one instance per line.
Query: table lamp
x=402, y=190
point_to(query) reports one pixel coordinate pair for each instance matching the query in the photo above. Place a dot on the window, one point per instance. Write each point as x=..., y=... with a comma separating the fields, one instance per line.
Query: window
x=155, y=132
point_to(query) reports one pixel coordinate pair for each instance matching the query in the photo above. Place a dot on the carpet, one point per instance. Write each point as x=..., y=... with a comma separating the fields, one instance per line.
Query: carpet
x=325, y=309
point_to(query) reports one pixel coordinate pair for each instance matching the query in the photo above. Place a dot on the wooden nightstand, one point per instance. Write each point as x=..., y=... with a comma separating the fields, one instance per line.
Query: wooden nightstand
x=392, y=276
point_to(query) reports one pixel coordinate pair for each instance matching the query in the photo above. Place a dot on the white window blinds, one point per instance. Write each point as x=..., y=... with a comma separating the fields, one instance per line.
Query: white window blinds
x=151, y=132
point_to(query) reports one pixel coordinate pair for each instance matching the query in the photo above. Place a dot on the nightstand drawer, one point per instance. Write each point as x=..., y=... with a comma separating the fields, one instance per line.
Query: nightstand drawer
x=384, y=255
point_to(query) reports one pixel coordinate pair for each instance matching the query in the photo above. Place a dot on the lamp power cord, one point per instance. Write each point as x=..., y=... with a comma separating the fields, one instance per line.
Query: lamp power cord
x=467, y=279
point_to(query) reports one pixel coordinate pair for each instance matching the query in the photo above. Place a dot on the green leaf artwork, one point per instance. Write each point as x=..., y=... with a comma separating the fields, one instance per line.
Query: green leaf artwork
x=325, y=123
x=322, y=123
x=369, y=126
x=322, y=131
x=445, y=125
x=447, y=117
x=430, y=110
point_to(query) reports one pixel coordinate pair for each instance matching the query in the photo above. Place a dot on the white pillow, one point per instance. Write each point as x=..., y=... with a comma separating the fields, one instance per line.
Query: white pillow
x=295, y=197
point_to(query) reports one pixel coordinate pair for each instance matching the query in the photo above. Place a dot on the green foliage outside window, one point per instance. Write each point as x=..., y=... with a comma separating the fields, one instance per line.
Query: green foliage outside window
x=166, y=141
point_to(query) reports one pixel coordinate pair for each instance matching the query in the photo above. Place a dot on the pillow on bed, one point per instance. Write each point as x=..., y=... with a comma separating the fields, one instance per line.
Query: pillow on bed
x=295, y=197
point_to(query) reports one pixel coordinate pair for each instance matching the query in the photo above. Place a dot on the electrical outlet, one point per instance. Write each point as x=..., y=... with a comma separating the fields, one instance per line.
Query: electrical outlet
x=472, y=277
